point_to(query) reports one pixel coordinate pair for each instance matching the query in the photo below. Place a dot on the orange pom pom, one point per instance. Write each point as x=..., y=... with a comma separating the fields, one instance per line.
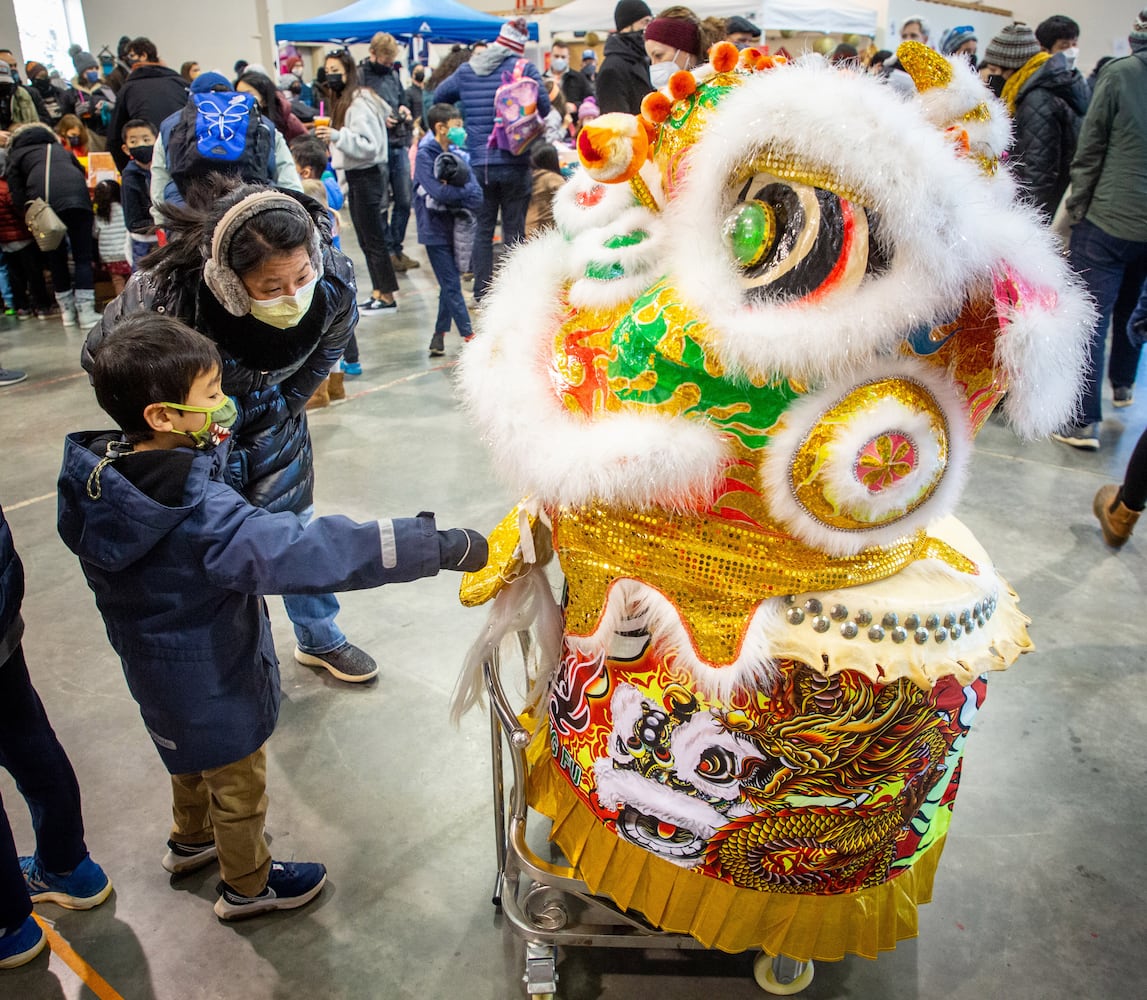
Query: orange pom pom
x=747, y=58
x=650, y=131
x=655, y=106
x=723, y=57
x=764, y=62
x=682, y=84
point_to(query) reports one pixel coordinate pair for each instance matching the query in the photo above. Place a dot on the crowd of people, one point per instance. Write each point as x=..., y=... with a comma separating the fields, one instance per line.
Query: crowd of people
x=224, y=255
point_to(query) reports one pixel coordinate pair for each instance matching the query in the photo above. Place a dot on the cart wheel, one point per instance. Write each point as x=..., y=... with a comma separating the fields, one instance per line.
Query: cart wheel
x=781, y=976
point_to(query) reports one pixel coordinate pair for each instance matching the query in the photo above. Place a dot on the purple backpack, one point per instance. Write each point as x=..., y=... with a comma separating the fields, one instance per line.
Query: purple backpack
x=516, y=119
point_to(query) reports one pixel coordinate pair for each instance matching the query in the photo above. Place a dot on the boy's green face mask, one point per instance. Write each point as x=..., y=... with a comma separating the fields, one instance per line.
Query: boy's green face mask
x=217, y=422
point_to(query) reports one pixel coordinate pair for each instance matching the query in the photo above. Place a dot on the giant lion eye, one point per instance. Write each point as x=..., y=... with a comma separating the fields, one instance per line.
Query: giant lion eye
x=793, y=241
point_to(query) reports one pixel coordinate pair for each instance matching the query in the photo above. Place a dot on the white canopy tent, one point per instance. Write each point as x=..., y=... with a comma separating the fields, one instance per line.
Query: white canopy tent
x=846, y=18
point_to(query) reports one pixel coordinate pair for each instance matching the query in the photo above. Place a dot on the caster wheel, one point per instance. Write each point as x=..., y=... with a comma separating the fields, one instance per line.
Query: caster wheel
x=767, y=980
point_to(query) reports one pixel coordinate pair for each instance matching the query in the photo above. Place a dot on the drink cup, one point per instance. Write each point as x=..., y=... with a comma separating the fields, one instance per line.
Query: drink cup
x=322, y=121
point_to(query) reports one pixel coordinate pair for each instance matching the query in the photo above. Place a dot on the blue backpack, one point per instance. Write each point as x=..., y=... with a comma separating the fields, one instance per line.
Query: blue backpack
x=220, y=132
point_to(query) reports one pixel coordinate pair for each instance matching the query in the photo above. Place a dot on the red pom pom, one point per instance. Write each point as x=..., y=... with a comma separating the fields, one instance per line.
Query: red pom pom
x=682, y=84
x=723, y=57
x=655, y=106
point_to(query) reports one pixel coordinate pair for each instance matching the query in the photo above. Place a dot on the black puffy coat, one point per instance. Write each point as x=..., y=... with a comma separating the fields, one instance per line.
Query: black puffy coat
x=28, y=154
x=271, y=373
x=151, y=93
x=1049, y=112
x=623, y=79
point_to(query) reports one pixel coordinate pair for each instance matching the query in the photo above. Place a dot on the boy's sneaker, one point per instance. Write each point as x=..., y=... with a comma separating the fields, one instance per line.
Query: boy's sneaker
x=437, y=345
x=81, y=889
x=1124, y=395
x=289, y=886
x=24, y=314
x=1084, y=436
x=377, y=305
x=181, y=859
x=9, y=376
x=347, y=663
x=20, y=946
x=351, y=367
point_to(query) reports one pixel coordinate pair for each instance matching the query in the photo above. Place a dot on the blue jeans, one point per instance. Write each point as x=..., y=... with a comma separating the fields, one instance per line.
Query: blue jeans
x=401, y=186
x=5, y=286
x=1114, y=271
x=507, y=188
x=451, y=304
x=30, y=752
x=313, y=615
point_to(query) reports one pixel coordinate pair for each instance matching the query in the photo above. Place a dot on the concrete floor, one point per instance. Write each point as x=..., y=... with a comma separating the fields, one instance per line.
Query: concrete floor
x=1040, y=893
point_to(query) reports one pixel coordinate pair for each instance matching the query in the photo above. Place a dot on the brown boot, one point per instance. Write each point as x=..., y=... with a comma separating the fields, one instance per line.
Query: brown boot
x=320, y=397
x=335, y=386
x=1116, y=520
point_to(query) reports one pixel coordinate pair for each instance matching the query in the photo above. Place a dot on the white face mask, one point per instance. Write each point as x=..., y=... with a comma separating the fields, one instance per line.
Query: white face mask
x=1071, y=55
x=285, y=311
x=559, y=65
x=659, y=73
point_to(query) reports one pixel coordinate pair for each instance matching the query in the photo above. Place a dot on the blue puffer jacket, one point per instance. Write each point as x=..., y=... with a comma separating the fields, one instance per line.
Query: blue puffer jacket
x=271, y=373
x=474, y=94
x=180, y=587
x=11, y=593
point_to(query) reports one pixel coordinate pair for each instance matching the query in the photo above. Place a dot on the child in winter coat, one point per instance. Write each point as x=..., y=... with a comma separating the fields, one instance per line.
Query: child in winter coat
x=111, y=233
x=446, y=194
x=179, y=563
x=548, y=178
x=22, y=257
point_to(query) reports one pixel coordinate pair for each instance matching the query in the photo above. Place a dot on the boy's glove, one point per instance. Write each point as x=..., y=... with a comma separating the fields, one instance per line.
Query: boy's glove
x=462, y=549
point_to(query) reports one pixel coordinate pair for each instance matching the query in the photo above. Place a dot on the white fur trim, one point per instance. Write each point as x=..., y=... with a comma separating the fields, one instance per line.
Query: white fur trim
x=1043, y=347
x=946, y=106
x=639, y=261
x=541, y=448
x=572, y=218
x=888, y=415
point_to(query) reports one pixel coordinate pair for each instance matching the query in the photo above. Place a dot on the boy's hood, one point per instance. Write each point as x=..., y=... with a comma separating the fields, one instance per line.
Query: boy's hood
x=120, y=524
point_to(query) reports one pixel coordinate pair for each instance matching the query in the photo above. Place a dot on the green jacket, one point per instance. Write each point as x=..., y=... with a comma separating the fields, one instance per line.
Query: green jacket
x=23, y=110
x=1109, y=172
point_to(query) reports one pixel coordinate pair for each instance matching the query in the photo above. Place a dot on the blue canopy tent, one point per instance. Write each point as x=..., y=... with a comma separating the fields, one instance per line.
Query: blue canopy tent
x=432, y=20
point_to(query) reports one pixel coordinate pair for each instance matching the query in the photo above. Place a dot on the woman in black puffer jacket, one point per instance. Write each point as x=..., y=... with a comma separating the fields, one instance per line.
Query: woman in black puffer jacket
x=256, y=273
x=29, y=151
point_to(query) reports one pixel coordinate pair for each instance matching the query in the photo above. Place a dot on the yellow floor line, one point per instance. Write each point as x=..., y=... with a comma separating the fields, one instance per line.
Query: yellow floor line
x=68, y=955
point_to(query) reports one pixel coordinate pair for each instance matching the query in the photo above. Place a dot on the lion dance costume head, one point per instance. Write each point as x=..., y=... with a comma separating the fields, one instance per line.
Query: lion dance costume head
x=740, y=382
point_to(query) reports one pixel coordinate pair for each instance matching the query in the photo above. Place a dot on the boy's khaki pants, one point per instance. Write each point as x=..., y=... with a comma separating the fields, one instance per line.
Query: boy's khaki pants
x=228, y=805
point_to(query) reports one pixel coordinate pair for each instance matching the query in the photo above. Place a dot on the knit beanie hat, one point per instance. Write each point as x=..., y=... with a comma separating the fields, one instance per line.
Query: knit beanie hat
x=82, y=60
x=588, y=109
x=629, y=11
x=32, y=68
x=1138, y=36
x=1012, y=47
x=953, y=38
x=514, y=35
x=676, y=32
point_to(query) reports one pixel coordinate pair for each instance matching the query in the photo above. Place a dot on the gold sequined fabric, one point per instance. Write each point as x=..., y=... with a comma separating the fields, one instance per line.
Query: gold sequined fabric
x=713, y=571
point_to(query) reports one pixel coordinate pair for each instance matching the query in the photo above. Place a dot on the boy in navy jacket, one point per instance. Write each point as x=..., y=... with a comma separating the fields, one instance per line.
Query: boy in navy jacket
x=179, y=563
x=445, y=188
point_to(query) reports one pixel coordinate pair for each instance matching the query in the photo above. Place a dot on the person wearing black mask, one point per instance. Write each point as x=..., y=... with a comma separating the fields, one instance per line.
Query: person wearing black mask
x=57, y=102
x=16, y=107
x=8, y=56
x=623, y=79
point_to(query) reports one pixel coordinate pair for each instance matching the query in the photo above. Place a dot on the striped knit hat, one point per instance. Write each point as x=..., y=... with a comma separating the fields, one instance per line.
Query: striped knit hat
x=1138, y=36
x=1012, y=47
x=514, y=35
